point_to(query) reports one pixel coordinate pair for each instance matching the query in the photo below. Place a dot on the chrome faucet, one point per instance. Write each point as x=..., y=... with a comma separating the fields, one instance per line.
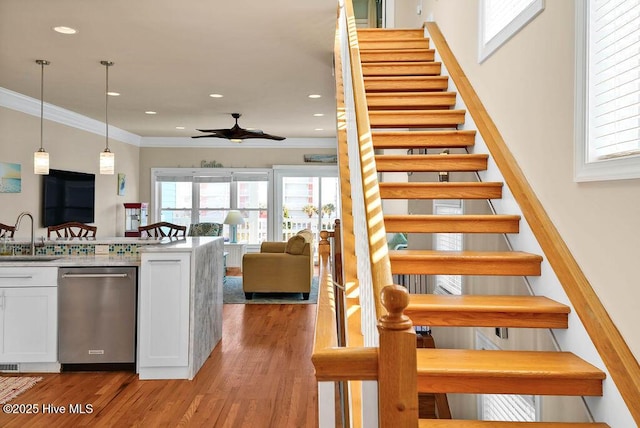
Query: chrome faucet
x=33, y=245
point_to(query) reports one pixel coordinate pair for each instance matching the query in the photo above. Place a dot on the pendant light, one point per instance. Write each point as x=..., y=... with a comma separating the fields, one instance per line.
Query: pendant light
x=107, y=158
x=41, y=157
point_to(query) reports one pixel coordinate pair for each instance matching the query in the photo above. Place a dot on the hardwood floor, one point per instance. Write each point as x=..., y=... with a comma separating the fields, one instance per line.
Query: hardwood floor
x=260, y=375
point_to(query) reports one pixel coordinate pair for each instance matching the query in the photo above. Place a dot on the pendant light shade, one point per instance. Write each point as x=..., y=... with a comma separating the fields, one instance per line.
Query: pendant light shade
x=41, y=157
x=107, y=158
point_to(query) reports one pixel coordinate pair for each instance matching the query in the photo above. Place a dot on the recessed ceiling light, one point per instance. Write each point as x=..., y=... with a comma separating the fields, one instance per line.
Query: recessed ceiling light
x=216, y=95
x=150, y=112
x=319, y=129
x=318, y=114
x=179, y=127
x=315, y=96
x=65, y=30
x=113, y=94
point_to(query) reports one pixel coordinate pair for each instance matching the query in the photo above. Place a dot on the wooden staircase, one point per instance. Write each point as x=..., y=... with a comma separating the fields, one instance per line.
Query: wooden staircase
x=411, y=108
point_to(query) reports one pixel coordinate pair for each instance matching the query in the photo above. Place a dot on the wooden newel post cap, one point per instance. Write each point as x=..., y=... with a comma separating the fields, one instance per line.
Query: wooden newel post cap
x=395, y=299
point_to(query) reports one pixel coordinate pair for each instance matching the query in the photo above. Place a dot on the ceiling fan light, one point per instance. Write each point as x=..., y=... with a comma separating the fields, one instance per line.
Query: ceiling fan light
x=235, y=140
x=41, y=162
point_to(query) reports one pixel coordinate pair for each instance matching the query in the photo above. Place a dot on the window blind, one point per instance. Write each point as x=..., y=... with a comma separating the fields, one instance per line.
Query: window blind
x=448, y=284
x=614, y=79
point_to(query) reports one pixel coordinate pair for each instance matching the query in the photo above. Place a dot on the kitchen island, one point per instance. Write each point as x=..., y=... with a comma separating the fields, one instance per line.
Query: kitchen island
x=175, y=335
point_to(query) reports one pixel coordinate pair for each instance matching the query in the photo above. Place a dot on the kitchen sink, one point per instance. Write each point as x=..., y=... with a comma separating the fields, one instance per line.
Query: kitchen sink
x=28, y=258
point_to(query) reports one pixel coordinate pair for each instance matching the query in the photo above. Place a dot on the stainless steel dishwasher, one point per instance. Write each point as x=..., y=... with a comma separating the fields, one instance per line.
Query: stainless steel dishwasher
x=97, y=317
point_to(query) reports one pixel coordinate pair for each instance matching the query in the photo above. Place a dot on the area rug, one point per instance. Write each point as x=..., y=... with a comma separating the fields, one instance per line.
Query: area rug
x=12, y=386
x=233, y=294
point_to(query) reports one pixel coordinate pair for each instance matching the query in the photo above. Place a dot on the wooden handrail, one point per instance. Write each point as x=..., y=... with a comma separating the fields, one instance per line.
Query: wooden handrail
x=613, y=349
x=378, y=250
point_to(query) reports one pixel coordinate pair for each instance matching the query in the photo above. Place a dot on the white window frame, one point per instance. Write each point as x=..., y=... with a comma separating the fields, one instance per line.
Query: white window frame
x=621, y=168
x=487, y=47
x=483, y=343
x=192, y=173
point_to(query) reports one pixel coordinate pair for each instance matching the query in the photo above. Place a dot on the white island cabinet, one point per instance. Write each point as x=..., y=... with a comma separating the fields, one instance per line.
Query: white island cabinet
x=28, y=317
x=180, y=309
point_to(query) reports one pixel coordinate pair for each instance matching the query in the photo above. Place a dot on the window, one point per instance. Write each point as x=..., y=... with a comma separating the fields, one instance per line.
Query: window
x=505, y=407
x=206, y=195
x=447, y=284
x=502, y=19
x=607, y=121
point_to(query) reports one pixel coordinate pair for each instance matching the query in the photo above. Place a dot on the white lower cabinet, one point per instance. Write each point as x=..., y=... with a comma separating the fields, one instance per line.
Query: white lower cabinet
x=28, y=315
x=164, y=315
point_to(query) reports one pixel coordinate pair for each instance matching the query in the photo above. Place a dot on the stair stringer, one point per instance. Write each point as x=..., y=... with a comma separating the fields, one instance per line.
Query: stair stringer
x=610, y=407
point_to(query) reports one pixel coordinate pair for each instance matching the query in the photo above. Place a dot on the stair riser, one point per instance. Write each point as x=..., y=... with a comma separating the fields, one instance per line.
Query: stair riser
x=494, y=384
x=390, y=84
x=464, y=267
x=487, y=319
x=426, y=119
x=401, y=69
x=423, y=140
x=386, y=55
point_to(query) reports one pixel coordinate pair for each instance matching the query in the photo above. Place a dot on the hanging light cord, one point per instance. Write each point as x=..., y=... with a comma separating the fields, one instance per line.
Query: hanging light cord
x=41, y=102
x=107, y=64
x=42, y=63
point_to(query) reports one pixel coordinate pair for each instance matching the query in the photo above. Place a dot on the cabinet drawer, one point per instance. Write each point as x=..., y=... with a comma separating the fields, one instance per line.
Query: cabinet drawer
x=37, y=276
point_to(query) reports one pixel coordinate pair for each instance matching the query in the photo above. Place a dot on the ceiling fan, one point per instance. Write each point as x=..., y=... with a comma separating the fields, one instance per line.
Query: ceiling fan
x=236, y=134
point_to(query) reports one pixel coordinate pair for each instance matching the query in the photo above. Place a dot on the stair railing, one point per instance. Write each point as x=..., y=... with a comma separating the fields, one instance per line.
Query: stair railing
x=611, y=346
x=388, y=395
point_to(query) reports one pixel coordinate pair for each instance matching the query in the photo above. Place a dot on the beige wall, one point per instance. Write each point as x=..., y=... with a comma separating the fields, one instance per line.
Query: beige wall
x=151, y=157
x=69, y=149
x=527, y=87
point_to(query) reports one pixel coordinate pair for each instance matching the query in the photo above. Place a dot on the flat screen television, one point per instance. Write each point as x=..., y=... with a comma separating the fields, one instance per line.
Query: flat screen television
x=68, y=196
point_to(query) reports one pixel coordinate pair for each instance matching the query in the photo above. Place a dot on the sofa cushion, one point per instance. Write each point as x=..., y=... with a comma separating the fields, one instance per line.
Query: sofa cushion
x=295, y=245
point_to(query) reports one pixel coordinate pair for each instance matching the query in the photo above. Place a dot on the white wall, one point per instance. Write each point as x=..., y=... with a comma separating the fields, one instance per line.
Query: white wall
x=527, y=88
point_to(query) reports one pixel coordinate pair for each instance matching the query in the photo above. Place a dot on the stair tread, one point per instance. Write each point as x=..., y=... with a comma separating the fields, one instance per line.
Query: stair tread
x=410, y=100
x=433, y=255
x=506, y=372
x=484, y=303
x=433, y=163
x=405, y=83
x=458, y=423
x=461, y=223
x=416, y=118
x=487, y=311
x=440, y=190
x=422, y=139
x=525, y=364
x=495, y=263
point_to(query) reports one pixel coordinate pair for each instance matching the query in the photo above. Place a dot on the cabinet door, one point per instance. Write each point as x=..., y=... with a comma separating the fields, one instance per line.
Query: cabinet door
x=28, y=324
x=164, y=310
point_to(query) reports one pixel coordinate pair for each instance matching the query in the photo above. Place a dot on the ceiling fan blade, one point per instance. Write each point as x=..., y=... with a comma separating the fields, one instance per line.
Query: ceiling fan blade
x=237, y=133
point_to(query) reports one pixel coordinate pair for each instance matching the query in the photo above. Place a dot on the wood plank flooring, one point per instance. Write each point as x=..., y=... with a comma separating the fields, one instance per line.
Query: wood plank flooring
x=260, y=375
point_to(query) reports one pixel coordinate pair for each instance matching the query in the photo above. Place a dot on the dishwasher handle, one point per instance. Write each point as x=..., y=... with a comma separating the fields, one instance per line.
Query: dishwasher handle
x=95, y=275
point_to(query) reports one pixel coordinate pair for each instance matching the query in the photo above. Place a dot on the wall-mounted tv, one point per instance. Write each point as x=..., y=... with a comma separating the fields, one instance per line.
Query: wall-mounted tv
x=68, y=196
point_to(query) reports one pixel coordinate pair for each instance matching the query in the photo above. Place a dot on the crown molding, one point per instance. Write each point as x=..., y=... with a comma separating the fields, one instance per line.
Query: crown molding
x=22, y=103
x=257, y=143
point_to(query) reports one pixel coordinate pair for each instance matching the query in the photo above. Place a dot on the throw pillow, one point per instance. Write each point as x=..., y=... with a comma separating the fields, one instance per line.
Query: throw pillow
x=295, y=245
x=306, y=234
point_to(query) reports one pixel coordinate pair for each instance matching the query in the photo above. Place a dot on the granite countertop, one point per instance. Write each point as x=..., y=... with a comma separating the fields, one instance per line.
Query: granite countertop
x=66, y=261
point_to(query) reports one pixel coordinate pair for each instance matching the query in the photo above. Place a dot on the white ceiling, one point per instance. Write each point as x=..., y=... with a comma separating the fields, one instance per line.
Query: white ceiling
x=265, y=57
